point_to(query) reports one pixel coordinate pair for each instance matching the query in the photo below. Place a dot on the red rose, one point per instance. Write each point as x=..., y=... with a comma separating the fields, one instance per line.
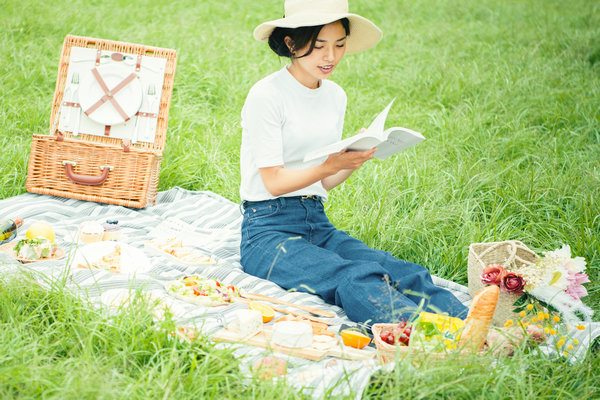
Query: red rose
x=492, y=274
x=512, y=283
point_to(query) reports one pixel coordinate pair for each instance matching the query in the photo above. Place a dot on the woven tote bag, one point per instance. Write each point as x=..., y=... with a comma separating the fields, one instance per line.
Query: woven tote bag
x=509, y=254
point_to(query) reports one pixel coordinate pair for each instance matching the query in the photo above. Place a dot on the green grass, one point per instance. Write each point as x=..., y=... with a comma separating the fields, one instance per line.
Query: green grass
x=507, y=93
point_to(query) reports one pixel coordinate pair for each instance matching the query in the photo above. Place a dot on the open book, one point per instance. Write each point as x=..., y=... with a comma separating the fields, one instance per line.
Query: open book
x=388, y=142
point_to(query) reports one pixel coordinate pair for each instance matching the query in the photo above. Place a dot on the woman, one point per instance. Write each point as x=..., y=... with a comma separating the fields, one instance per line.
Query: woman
x=286, y=115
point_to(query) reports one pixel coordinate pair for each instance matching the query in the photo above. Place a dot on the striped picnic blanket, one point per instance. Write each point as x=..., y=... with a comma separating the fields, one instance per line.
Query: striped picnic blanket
x=213, y=223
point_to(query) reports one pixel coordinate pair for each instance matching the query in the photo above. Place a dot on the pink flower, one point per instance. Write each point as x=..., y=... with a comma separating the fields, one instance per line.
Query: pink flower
x=492, y=274
x=512, y=283
x=577, y=279
x=576, y=291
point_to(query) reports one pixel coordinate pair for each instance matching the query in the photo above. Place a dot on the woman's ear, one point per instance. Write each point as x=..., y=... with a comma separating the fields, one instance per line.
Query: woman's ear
x=289, y=43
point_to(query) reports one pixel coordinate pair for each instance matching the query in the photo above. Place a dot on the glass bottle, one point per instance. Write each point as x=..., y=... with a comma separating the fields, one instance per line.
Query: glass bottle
x=8, y=229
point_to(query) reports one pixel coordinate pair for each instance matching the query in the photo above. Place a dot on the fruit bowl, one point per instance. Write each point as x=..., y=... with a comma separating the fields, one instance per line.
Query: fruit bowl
x=387, y=352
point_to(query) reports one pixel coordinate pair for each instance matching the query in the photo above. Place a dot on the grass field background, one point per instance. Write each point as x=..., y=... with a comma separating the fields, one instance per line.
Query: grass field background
x=506, y=92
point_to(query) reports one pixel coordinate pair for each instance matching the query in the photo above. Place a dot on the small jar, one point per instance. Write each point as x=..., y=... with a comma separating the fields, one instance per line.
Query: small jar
x=90, y=232
x=112, y=230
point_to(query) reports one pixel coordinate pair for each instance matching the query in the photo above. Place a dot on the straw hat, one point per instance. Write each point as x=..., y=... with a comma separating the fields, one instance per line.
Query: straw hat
x=363, y=33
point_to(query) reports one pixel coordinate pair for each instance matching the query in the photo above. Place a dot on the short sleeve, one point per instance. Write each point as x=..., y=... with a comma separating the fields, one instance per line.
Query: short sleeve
x=262, y=121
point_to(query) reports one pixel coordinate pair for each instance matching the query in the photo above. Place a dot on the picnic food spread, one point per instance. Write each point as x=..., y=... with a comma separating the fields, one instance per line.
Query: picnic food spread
x=198, y=290
x=296, y=333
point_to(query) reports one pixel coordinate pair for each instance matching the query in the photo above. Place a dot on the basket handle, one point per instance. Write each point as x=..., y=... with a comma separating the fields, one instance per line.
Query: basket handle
x=513, y=246
x=86, y=179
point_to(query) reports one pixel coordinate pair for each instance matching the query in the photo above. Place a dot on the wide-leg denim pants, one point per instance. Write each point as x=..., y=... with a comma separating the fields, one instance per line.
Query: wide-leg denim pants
x=290, y=241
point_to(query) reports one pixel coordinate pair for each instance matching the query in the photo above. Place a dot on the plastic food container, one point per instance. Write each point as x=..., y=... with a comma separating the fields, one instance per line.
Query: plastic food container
x=112, y=230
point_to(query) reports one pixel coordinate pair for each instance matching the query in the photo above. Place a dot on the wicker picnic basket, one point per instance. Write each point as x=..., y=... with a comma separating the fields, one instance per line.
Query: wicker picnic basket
x=388, y=353
x=385, y=351
x=509, y=254
x=102, y=168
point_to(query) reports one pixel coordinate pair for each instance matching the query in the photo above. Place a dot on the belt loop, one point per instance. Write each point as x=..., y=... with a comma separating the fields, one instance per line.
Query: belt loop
x=282, y=201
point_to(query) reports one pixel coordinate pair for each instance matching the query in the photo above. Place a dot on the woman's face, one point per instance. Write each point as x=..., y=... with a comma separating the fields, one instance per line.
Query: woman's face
x=320, y=63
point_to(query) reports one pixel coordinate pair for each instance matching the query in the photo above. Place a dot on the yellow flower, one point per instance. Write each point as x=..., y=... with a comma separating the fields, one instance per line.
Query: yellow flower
x=508, y=323
x=556, y=318
x=534, y=319
x=566, y=353
x=529, y=306
x=560, y=343
x=522, y=313
x=575, y=341
x=570, y=348
x=541, y=316
x=581, y=327
x=546, y=315
x=553, y=332
x=539, y=326
x=546, y=330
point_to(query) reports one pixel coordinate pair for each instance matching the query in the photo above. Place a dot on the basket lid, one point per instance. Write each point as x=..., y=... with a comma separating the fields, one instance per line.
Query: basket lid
x=126, y=84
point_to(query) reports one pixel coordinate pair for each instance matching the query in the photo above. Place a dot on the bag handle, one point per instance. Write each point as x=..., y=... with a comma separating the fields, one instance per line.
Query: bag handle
x=513, y=246
x=86, y=179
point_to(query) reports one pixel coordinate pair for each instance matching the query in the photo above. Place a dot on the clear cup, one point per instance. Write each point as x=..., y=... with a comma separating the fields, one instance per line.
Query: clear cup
x=90, y=232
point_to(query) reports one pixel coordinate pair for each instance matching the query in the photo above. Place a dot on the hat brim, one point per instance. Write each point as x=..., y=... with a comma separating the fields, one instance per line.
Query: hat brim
x=364, y=34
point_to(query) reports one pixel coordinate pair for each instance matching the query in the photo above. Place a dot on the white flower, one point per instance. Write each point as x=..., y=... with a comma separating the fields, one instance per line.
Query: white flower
x=576, y=265
x=556, y=278
x=563, y=256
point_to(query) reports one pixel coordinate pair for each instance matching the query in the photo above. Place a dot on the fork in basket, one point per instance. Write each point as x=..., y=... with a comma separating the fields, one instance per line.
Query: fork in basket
x=144, y=108
x=75, y=99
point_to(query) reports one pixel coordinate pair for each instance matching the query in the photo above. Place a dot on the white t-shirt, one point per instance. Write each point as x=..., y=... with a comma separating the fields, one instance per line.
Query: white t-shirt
x=282, y=120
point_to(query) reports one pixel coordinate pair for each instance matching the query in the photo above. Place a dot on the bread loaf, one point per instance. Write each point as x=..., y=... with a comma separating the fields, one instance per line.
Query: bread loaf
x=479, y=318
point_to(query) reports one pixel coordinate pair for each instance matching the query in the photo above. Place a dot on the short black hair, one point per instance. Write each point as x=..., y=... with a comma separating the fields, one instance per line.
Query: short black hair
x=300, y=38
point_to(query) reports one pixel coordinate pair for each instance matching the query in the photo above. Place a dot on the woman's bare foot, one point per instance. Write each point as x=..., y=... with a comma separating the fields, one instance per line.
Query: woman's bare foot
x=504, y=340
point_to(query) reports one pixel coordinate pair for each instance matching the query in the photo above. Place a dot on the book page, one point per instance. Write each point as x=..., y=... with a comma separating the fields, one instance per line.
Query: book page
x=398, y=139
x=378, y=125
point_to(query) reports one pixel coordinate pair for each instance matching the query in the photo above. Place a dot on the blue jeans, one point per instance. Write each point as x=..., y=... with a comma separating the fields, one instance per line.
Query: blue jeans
x=290, y=241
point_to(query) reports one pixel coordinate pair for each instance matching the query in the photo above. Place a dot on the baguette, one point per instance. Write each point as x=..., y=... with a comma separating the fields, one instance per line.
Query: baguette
x=479, y=318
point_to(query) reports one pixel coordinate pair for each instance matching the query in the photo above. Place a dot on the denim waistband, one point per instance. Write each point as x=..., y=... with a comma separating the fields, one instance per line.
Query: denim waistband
x=283, y=200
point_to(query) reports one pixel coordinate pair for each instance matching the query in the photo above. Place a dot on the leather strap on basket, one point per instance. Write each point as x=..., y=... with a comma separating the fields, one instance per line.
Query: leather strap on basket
x=138, y=62
x=110, y=93
x=86, y=179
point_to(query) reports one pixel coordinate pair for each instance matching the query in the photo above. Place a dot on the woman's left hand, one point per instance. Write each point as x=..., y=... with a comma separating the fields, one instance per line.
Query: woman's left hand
x=348, y=159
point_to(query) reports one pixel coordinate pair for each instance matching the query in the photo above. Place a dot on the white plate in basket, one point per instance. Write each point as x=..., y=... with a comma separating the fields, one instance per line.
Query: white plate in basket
x=129, y=97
